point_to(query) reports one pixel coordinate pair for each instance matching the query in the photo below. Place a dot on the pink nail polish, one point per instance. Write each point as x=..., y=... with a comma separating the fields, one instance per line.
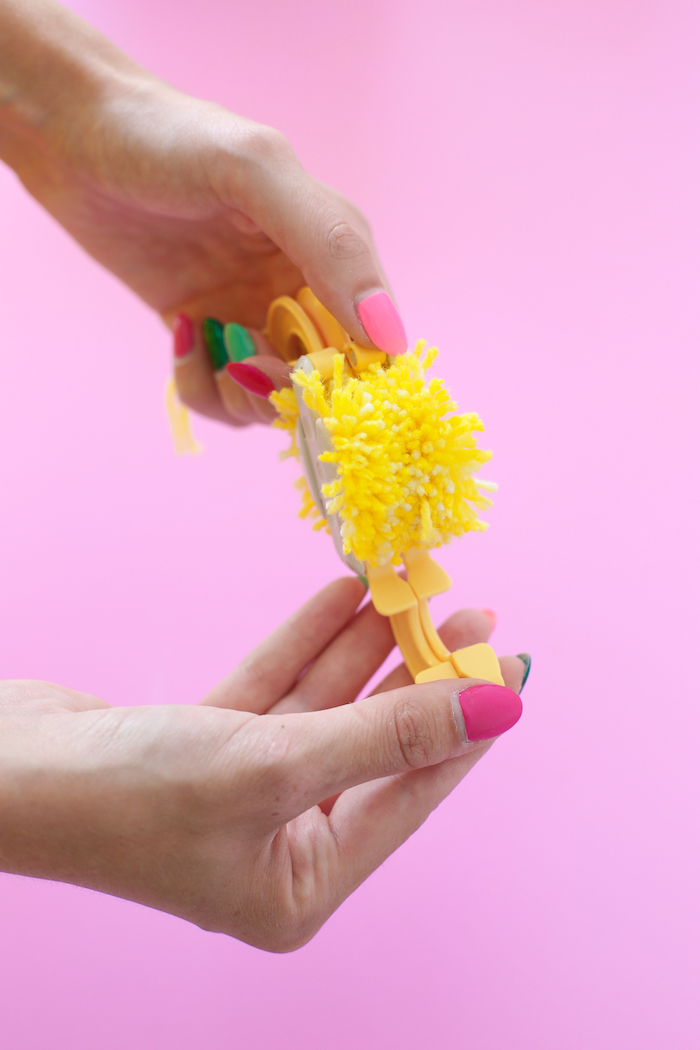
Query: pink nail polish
x=183, y=334
x=489, y=710
x=251, y=379
x=491, y=615
x=381, y=322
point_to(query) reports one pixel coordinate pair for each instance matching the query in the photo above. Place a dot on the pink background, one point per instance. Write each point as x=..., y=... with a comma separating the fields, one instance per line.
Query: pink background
x=531, y=171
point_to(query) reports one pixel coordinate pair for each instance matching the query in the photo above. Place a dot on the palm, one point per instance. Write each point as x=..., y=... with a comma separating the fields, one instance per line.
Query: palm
x=216, y=815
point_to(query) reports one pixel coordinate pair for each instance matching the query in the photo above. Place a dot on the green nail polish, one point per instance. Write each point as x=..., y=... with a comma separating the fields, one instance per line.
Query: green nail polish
x=527, y=660
x=214, y=339
x=364, y=580
x=238, y=342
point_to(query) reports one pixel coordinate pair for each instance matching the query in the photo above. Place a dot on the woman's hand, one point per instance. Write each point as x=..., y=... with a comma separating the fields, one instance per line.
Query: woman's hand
x=201, y=212
x=258, y=812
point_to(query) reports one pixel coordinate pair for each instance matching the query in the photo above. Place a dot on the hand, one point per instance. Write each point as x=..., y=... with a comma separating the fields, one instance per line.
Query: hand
x=200, y=212
x=258, y=812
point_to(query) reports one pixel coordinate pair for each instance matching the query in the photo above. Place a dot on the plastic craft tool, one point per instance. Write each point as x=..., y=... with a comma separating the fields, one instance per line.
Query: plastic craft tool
x=305, y=334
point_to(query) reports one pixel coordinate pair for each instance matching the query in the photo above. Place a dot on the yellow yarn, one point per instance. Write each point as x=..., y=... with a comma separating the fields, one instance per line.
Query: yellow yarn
x=287, y=415
x=179, y=423
x=404, y=463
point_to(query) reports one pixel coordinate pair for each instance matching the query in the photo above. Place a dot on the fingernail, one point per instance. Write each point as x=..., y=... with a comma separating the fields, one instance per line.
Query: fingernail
x=380, y=320
x=491, y=615
x=183, y=335
x=238, y=342
x=214, y=340
x=527, y=660
x=489, y=710
x=251, y=379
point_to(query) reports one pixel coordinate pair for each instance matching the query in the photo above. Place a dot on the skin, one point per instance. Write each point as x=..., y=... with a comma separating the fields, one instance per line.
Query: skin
x=258, y=811
x=196, y=209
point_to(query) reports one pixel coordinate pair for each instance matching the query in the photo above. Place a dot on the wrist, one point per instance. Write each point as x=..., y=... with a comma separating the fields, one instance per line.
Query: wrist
x=23, y=844
x=54, y=70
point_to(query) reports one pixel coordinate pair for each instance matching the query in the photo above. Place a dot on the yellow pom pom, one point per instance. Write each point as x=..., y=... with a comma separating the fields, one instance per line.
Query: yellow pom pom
x=403, y=461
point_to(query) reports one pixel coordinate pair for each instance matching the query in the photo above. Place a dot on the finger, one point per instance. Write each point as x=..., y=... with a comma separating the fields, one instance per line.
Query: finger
x=321, y=234
x=231, y=347
x=351, y=659
x=325, y=752
x=464, y=627
x=203, y=383
x=251, y=354
x=194, y=378
x=360, y=650
x=252, y=382
x=370, y=821
x=356, y=217
x=514, y=671
x=271, y=670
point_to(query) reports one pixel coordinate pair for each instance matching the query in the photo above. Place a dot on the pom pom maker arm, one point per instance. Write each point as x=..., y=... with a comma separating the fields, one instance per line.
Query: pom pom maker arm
x=306, y=335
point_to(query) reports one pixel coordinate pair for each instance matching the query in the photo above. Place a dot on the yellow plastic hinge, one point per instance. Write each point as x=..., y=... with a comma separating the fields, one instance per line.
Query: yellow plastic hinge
x=432, y=637
x=361, y=357
x=391, y=595
x=425, y=576
x=411, y=640
x=478, y=661
x=437, y=673
x=324, y=361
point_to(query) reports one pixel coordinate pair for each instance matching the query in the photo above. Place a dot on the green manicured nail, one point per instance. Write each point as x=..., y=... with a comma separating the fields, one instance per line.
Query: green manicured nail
x=527, y=660
x=238, y=342
x=214, y=340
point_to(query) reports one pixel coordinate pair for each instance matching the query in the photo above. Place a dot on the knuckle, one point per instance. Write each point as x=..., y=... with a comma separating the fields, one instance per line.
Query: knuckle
x=413, y=735
x=267, y=144
x=254, y=676
x=344, y=242
x=343, y=206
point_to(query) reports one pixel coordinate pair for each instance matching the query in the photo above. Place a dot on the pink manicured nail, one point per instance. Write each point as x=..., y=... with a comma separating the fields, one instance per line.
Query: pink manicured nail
x=183, y=333
x=491, y=615
x=489, y=710
x=251, y=379
x=382, y=323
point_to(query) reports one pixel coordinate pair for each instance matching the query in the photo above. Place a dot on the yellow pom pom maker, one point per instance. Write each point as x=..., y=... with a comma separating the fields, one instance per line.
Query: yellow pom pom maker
x=304, y=333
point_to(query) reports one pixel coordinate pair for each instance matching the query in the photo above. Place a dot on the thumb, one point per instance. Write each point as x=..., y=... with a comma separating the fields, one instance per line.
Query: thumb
x=410, y=728
x=326, y=237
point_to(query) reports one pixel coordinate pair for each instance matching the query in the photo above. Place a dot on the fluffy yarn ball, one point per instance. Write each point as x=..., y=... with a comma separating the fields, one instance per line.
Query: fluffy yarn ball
x=404, y=458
